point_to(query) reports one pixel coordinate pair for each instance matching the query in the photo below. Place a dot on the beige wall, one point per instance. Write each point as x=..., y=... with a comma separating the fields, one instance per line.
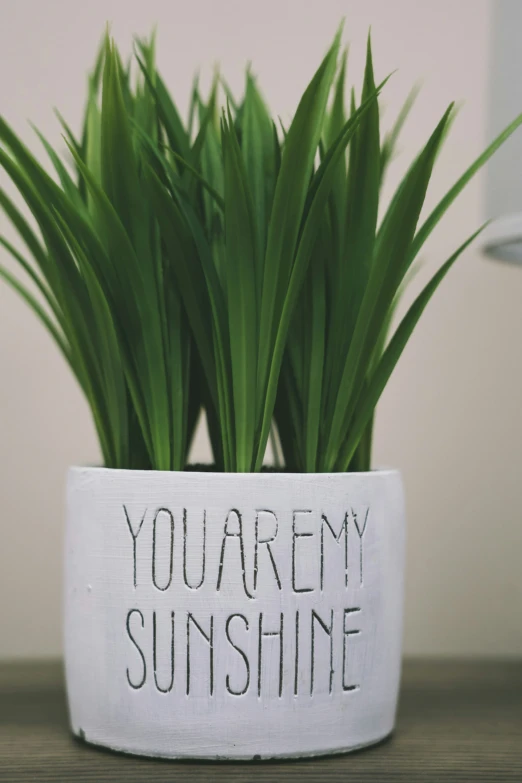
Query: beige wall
x=451, y=418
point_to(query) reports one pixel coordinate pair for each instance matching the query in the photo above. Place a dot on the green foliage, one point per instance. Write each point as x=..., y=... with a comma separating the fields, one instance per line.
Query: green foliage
x=98, y=261
x=339, y=354
x=224, y=264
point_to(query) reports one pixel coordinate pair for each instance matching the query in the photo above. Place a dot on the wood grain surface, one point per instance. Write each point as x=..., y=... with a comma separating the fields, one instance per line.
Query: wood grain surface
x=458, y=721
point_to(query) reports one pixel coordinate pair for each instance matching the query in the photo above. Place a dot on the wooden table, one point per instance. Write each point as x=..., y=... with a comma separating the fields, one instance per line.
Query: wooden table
x=458, y=721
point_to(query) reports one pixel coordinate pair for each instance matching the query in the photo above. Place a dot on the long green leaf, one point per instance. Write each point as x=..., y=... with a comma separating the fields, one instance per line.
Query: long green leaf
x=390, y=357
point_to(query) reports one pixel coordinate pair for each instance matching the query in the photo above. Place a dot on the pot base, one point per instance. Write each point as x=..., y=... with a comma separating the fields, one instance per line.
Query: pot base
x=319, y=754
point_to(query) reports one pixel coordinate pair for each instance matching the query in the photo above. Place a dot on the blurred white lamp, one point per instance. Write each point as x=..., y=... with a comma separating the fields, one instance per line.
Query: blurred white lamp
x=503, y=237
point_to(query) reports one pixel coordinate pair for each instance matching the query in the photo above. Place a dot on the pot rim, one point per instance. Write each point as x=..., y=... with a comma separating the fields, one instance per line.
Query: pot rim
x=261, y=476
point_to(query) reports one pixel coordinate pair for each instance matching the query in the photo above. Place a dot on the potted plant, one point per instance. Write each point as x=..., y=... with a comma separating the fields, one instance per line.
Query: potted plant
x=227, y=264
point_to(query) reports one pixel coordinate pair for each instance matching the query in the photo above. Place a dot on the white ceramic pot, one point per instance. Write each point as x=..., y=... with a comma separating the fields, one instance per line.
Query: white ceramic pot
x=233, y=616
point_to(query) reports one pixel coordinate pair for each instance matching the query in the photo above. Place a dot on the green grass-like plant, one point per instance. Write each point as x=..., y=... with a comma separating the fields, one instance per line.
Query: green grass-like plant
x=226, y=263
x=112, y=305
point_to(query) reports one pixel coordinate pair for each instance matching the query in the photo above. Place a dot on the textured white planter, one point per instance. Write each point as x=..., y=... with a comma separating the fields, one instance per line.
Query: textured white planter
x=229, y=616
